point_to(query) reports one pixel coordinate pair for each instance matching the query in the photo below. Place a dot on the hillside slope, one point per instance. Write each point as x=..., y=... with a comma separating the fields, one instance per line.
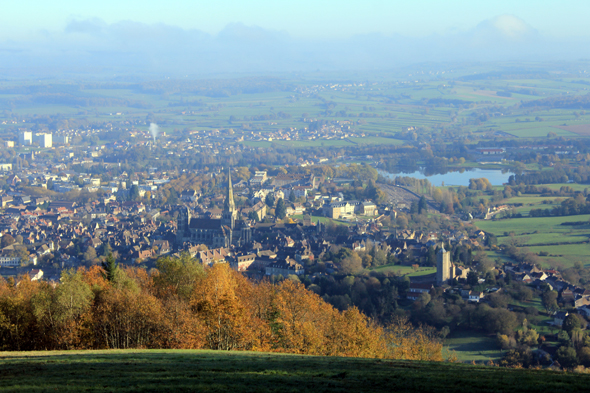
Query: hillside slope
x=186, y=370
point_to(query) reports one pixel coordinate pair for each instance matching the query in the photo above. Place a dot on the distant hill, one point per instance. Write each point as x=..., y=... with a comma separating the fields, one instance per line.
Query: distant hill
x=189, y=370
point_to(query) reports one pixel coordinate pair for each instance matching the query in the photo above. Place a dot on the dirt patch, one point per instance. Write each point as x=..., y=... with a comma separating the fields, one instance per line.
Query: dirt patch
x=580, y=129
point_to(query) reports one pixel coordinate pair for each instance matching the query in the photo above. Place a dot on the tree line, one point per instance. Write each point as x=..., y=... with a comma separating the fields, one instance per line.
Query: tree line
x=182, y=305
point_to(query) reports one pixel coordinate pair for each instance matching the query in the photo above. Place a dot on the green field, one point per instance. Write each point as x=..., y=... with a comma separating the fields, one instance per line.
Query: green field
x=322, y=219
x=566, y=244
x=472, y=346
x=404, y=270
x=186, y=370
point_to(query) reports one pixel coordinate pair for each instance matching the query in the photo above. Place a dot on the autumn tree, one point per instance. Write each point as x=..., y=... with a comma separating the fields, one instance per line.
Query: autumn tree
x=178, y=275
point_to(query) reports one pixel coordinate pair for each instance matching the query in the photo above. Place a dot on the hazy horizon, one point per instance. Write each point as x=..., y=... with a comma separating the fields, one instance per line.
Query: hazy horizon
x=229, y=37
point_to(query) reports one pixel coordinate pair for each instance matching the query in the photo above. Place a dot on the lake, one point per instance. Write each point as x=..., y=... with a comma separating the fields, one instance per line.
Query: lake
x=495, y=176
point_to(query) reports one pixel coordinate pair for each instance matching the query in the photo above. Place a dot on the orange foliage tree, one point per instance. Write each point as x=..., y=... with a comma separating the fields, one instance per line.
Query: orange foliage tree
x=183, y=305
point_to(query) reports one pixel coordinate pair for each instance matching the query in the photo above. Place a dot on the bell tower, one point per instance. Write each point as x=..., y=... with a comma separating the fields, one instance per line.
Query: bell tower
x=444, y=268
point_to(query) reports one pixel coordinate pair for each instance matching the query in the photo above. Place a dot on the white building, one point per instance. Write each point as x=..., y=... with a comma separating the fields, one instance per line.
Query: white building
x=25, y=138
x=9, y=261
x=5, y=167
x=44, y=140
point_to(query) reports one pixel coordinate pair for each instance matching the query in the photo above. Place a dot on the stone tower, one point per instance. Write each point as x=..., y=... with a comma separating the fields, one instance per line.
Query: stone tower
x=444, y=268
x=183, y=221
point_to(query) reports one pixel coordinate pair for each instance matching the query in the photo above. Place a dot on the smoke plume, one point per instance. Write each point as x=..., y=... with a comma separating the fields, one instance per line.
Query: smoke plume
x=154, y=130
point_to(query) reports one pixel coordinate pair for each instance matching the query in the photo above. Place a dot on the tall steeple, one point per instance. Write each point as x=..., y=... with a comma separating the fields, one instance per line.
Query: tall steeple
x=229, y=214
x=229, y=204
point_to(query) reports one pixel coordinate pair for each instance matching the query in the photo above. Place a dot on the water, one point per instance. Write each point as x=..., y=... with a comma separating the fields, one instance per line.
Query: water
x=495, y=176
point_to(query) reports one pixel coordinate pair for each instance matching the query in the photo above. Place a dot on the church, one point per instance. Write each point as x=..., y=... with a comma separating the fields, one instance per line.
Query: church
x=224, y=232
x=447, y=270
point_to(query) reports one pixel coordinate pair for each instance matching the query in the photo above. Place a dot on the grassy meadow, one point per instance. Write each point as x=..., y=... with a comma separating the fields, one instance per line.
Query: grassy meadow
x=564, y=244
x=404, y=270
x=473, y=346
x=217, y=371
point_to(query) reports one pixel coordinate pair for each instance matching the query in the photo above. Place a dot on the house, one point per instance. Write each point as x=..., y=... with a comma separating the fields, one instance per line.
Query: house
x=417, y=289
x=163, y=246
x=475, y=296
x=216, y=255
x=284, y=267
x=242, y=262
x=36, y=274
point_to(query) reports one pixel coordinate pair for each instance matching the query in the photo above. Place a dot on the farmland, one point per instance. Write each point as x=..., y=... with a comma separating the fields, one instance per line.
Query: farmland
x=563, y=244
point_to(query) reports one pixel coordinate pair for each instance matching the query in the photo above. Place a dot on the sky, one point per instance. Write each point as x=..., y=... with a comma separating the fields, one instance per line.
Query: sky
x=273, y=35
x=326, y=19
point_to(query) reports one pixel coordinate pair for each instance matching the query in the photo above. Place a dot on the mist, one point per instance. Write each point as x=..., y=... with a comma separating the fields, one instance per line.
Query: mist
x=92, y=46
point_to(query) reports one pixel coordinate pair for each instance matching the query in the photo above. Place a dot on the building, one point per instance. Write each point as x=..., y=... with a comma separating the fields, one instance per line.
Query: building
x=259, y=178
x=43, y=140
x=5, y=167
x=9, y=144
x=215, y=233
x=62, y=139
x=348, y=209
x=25, y=138
x=284, y=268
x=416, y=289
x=445, y=270
x=491, y=151
x=6, y=260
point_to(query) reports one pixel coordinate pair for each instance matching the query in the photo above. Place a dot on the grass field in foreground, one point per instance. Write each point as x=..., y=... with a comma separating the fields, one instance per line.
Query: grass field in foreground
x=217, y=371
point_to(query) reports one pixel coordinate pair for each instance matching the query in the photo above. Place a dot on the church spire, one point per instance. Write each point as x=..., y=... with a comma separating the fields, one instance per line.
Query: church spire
x=229, y=204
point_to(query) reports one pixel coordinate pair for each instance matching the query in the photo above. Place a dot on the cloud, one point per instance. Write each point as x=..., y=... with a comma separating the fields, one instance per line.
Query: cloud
x=128, y=47
x=504, y=29
x=85, y=26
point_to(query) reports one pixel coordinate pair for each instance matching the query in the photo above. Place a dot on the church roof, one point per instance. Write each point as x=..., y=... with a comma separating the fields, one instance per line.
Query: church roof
x=205, y=223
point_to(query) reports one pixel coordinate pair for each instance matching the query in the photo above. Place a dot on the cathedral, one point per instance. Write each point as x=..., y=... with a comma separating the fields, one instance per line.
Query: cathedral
x=224, y=232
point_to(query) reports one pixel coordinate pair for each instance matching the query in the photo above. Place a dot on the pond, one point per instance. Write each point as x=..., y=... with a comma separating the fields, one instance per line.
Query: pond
x=457, y=178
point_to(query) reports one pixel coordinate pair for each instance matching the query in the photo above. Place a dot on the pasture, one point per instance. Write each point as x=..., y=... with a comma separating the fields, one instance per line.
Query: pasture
x=563, y=244
x=472, y=346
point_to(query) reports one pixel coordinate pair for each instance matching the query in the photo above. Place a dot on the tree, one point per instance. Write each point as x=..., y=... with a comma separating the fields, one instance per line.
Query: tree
x=549, y=299
x=269, y=200
x=292, y=197
x=173, y=197
x=571, y=322
x=110, y=268
x=422, y=205
x=566, y=356
x=178, y=275
x=7, y=240
x=281, y=209
x=90, y=255
x=351, y=264
x=472, y=278
x=134, y=193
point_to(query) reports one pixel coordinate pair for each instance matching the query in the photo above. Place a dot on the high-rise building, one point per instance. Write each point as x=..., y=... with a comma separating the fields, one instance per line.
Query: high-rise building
x=25, y=138
x=44, y=140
